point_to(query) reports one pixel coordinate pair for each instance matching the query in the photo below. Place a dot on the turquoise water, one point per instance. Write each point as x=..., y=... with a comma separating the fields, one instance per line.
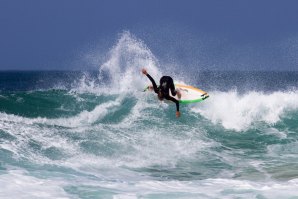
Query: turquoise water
x=88, y=136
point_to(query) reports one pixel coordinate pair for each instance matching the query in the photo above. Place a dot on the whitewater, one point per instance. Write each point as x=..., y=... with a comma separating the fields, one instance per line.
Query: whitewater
x=97, y=135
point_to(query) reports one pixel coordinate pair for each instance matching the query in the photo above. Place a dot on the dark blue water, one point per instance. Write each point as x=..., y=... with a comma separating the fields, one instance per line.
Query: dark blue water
x=242, y=81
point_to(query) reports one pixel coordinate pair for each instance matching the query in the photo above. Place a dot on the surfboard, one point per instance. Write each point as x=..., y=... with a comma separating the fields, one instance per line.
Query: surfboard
x=189, y=94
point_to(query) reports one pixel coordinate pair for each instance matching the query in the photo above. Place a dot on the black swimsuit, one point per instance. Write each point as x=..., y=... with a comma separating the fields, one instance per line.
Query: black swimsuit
x=166, y=84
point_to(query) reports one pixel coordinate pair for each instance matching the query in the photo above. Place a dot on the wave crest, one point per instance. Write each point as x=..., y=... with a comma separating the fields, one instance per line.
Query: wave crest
x=239, y=112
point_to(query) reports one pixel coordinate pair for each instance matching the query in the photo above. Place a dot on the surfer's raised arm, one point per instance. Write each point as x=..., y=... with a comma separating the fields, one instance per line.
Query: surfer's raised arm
x=144, y=71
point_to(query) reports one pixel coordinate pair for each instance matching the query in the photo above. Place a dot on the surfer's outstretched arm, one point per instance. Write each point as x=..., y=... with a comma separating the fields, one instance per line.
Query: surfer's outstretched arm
x=153, y=83
x=151, y=79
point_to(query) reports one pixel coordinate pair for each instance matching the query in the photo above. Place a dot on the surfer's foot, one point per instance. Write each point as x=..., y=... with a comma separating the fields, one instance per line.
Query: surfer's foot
x=179, y=94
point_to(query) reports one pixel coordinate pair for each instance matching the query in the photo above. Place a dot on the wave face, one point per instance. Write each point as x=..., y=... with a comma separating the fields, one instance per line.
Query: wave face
x=96, y=135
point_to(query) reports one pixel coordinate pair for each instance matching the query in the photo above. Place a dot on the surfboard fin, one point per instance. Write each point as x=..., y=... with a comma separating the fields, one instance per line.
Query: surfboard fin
x=204, y=96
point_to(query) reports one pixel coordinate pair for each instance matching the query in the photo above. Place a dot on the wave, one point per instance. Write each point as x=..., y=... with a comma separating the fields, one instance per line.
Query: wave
x=26, y=186
x=240, y=111
x=135, y=131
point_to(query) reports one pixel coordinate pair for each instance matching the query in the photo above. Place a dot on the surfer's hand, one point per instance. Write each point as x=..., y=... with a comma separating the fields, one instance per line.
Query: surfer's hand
x=177, y=114
x=144, y=71
x=179, y=94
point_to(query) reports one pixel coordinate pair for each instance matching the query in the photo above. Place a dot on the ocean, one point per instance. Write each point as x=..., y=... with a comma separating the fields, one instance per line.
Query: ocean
x=95, y=134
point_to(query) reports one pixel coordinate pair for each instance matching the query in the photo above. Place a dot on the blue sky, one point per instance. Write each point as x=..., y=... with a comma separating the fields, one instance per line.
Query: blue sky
x=209, y=34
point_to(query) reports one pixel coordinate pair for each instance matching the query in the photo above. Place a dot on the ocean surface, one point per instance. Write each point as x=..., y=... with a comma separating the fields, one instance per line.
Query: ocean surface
x=95, y=134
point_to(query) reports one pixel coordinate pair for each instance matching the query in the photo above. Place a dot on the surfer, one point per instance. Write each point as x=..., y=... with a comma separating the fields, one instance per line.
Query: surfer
x=166, y=84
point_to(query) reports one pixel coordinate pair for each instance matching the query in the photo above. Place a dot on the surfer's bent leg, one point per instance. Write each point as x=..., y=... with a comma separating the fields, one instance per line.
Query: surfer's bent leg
x=175, y=101
x=172, y=87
